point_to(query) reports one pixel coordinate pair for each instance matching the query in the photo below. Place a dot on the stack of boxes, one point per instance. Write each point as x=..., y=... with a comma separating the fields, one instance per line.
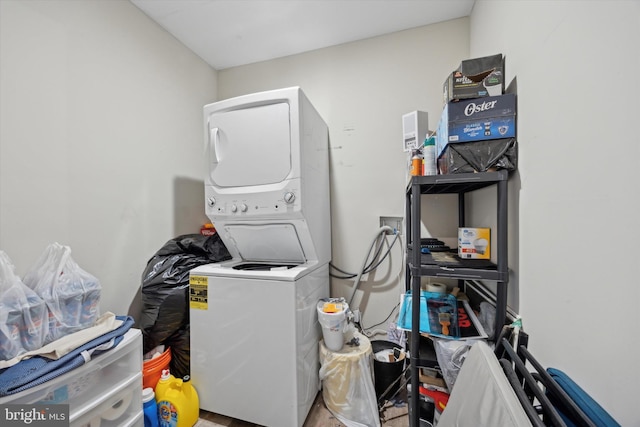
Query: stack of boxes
x=477, y=128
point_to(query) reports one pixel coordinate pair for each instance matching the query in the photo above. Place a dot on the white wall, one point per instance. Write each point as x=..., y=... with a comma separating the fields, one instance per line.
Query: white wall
x=100, y=137
x=577, y=184
x=362, y=89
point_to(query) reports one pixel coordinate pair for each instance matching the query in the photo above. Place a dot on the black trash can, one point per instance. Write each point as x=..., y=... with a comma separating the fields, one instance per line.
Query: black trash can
x=387, y=372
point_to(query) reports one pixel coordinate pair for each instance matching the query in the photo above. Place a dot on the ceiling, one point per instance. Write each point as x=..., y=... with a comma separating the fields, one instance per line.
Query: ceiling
x=228, y=33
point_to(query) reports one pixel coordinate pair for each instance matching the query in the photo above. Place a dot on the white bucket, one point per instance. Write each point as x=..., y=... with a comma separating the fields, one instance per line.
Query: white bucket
x=333, y=325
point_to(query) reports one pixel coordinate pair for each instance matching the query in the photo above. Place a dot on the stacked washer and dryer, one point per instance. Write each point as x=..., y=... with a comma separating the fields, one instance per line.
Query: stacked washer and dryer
x=253, y=320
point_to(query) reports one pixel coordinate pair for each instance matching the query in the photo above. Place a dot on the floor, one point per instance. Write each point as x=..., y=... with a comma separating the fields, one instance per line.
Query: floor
x=319, y=416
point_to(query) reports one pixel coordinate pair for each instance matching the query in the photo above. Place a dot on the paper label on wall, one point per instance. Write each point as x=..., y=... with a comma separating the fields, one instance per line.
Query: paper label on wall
x=198, y=292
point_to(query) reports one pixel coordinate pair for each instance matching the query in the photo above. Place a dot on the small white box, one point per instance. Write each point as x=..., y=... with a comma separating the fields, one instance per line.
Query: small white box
x=474, y=243
x=415, y=126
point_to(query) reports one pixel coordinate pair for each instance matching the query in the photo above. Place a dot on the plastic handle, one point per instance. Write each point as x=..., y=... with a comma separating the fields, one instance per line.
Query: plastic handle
x=440, y=398
x=64, y=252
x=213, y=144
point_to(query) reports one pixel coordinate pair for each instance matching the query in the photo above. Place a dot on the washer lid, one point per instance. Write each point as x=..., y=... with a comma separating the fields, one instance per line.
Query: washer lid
x=265, y=242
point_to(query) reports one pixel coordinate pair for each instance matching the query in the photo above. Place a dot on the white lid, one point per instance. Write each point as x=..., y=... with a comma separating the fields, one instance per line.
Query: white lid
x=165, y=374
x=147, y=394
x=274, y=242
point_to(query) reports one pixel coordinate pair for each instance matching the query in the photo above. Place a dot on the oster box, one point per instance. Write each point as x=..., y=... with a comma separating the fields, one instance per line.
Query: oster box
x=479, y=119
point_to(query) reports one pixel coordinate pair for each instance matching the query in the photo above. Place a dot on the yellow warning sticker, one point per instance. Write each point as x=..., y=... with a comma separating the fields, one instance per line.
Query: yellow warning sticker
x=198, y=292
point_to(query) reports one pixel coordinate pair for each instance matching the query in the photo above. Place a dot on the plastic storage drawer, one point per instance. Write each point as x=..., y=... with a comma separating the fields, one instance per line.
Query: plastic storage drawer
x=106, y=391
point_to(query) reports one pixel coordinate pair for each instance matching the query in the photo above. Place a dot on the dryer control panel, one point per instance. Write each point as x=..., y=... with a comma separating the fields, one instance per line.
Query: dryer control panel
x=269, y=204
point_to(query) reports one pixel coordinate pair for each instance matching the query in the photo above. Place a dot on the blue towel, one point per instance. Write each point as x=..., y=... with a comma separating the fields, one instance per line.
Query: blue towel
x=38, y=370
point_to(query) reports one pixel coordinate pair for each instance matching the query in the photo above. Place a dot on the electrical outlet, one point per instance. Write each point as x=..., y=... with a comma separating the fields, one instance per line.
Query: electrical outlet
x=395, y=222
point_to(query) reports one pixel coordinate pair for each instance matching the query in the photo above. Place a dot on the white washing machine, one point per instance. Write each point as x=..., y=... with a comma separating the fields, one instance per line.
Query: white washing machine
x=254, y=355
x=253, y=320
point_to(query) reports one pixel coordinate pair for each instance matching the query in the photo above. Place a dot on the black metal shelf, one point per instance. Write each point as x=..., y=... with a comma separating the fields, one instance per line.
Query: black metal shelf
x=457, y=183
x=417, y=267
x=459, y=273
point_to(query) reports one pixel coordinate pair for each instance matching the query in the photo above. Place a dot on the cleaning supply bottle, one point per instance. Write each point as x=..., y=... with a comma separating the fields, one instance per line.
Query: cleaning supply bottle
x=429, y=154
x=416, y=163
x=149, y=407
x=178, y=405
x=192, y=397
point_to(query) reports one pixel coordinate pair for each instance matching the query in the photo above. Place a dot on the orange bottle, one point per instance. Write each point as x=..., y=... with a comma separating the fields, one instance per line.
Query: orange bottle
x=416, y=163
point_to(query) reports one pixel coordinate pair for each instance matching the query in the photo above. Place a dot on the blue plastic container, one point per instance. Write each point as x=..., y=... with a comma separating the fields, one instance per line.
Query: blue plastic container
x=150, y=408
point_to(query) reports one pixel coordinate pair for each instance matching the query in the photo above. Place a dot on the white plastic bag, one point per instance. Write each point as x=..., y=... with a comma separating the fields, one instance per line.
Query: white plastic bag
x=72, y=295
x=348, y=386
x=23, y=314
x=451, y=355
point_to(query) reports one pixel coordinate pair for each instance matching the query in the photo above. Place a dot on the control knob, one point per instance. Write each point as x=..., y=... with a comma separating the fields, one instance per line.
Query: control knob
x=289, y=197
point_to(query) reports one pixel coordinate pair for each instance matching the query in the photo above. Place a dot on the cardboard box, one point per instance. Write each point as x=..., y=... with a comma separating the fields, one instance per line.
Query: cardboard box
x=474, y=243
x=482, y=119
x=476, y=78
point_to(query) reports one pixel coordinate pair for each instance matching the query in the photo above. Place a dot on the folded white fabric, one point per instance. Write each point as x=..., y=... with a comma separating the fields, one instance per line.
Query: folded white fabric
x=58, y=348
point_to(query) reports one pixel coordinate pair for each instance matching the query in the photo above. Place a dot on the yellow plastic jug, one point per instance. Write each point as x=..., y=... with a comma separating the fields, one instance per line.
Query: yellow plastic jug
x=178, y=403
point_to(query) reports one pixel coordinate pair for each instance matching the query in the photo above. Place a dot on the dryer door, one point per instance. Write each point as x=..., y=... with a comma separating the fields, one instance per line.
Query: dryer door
x=249, y=146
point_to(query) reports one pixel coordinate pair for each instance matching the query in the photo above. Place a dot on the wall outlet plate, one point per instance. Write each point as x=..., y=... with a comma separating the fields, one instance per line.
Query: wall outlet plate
x=395, y=222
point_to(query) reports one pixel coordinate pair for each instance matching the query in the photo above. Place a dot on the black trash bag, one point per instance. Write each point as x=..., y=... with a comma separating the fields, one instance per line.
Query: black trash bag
x=165, y=285
x=479, y=156
x=180, y=365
